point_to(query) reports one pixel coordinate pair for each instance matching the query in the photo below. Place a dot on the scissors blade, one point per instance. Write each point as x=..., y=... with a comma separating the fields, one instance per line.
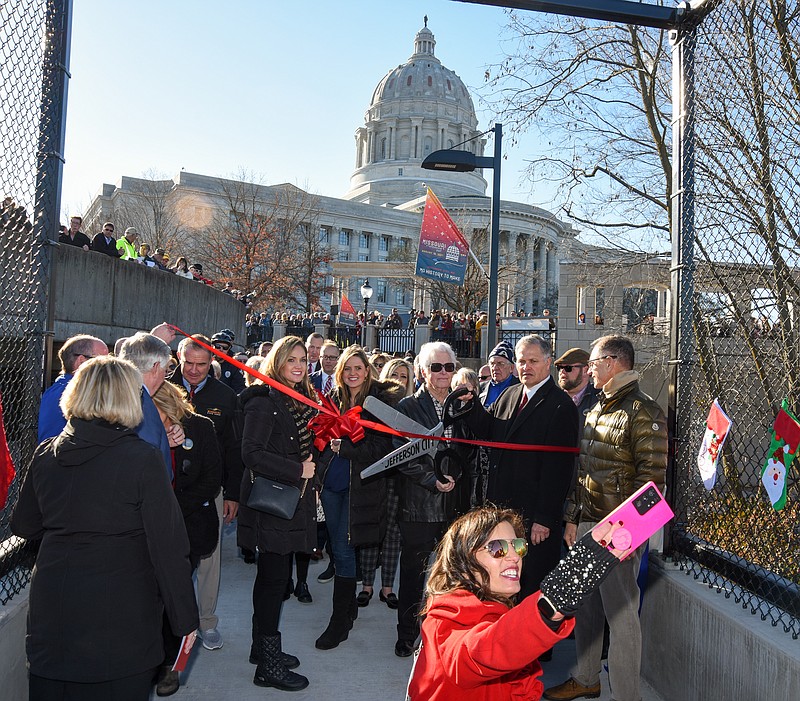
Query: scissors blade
x=405, y=453
x=391, y=417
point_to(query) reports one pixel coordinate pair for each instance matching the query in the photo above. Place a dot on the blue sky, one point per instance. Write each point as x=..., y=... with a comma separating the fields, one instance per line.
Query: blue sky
x=272, y=88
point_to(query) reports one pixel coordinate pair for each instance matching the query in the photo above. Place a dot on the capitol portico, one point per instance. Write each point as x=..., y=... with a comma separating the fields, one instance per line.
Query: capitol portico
x=416, y=108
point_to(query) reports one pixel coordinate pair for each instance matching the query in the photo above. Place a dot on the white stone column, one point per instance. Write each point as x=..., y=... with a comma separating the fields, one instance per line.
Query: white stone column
x=541, y=274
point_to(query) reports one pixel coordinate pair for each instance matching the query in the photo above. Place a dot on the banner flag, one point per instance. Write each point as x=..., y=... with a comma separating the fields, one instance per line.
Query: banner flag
x=781, y=455
x=346, y=310
x=717, y=427
x=442, y=251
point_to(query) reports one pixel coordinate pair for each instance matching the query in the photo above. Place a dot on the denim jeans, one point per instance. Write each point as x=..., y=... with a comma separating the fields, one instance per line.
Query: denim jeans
x=337, y=517
x=617, y=600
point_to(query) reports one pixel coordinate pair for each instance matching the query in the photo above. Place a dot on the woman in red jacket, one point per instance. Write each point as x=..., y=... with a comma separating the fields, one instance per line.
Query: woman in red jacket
x=476, y=645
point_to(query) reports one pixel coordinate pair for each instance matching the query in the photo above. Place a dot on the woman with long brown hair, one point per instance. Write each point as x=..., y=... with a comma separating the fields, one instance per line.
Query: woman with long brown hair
x=277, y=444
x=476, y=644
x=355, y=510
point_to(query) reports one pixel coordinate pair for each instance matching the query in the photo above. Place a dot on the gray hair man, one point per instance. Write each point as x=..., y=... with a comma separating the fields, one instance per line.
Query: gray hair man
x=151, y=357
x=624, y=446
x=215, y=400
x=534, y=412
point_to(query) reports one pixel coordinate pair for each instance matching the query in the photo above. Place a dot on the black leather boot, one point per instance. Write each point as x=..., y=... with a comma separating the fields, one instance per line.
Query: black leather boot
x=344, y=601
x=290, y=661
x=270, y=670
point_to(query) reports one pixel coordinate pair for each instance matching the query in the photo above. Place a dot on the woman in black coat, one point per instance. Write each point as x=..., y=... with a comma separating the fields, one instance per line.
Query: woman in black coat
x=277, y=444
x=114, y=553
x=355, y=510
x=197, y=466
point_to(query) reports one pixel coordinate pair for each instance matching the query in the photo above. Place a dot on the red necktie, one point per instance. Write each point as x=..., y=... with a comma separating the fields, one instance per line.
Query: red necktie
x=328, y=384
x=522, y=403
x=192, y=389
x=310, y=368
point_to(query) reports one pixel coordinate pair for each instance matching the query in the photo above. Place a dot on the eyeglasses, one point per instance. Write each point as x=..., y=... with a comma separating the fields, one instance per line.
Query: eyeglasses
x=594, y=362
x=379, y=365
x=221, y=346
x=568, y=368
x=501, y=547
x=438, y=367
x=483, y=378
x=330, y=357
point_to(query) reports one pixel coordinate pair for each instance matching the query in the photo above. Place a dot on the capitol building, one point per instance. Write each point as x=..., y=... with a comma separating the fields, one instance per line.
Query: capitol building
x=416, y=108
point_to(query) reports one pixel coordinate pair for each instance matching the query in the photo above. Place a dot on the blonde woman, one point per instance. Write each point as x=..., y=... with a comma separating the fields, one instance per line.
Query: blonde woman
x=197, y=466
x=387, y=552
x=402, y=372
x=114, y=552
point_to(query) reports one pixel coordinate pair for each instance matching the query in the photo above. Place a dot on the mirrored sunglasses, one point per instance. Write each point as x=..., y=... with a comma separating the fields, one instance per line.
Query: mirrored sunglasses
x=501, y=547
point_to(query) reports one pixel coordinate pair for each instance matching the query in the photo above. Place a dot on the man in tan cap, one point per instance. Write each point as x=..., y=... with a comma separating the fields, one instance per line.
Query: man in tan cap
x=573, y=377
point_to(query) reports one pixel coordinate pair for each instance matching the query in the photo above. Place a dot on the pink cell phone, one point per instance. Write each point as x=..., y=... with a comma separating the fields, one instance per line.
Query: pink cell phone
x=639, y=516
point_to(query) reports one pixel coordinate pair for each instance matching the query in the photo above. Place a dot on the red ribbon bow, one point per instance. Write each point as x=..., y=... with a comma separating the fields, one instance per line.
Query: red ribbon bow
x=333, y=424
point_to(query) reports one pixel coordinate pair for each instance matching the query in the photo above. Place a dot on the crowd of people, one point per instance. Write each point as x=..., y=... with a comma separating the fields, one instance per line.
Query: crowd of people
x=174, y=446
x=127, y=247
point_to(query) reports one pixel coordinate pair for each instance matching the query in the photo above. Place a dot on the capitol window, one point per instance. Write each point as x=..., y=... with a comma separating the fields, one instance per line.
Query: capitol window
x=344, y=238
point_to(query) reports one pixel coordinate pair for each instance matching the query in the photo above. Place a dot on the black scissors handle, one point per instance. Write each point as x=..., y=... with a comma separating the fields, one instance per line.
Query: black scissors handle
x=453, y=410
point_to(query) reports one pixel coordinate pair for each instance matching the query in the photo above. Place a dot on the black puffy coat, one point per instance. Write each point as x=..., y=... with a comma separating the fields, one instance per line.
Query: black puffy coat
x=368, y=516
x=270, y=447
x=420, y=500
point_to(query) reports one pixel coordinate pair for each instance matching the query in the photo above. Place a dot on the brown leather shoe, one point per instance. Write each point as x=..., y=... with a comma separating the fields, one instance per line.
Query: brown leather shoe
x=570, y=689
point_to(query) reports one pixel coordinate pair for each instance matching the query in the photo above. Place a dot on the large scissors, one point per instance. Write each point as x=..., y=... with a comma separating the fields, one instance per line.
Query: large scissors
x=400, y=422
x=452, y=412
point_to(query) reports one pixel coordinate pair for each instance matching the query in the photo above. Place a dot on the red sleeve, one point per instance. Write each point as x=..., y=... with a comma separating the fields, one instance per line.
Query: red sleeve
x=493, y=647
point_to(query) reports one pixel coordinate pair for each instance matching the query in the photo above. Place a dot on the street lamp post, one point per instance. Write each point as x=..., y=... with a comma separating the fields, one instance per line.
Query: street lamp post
x=366, y=294
x=465, y=162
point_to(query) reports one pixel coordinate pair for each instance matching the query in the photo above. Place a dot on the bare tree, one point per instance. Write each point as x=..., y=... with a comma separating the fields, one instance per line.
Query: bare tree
x=598, y=95
x=152, y=209
x=265, y=241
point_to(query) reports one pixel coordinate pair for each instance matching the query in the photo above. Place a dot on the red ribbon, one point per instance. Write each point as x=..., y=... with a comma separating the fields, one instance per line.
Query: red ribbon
x=337, y=421
x=327, y=426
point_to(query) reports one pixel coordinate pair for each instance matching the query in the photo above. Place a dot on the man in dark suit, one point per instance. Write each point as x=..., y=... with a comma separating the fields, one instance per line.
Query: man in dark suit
x=104, y=242
x=313, y=349
x=323, y=380
x=214, y=400
x=535, y=412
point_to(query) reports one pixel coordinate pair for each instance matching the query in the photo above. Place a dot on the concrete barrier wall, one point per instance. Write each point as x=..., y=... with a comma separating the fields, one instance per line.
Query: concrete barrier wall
x=696, y=644
x=110, y=298
x=14, y=670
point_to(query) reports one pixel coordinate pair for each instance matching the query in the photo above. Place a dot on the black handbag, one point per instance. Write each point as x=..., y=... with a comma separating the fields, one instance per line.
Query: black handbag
x=272, y=497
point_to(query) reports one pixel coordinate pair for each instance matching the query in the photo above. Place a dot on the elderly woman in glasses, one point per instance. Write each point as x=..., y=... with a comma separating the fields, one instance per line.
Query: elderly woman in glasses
x=476, y=644
x=432, y=490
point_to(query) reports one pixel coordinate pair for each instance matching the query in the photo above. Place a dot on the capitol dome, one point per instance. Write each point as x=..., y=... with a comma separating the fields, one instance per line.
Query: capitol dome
x=418, y=107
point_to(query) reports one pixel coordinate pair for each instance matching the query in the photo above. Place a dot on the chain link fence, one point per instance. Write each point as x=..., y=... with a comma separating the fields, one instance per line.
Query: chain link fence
x=735, y=327
x=34, y=36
